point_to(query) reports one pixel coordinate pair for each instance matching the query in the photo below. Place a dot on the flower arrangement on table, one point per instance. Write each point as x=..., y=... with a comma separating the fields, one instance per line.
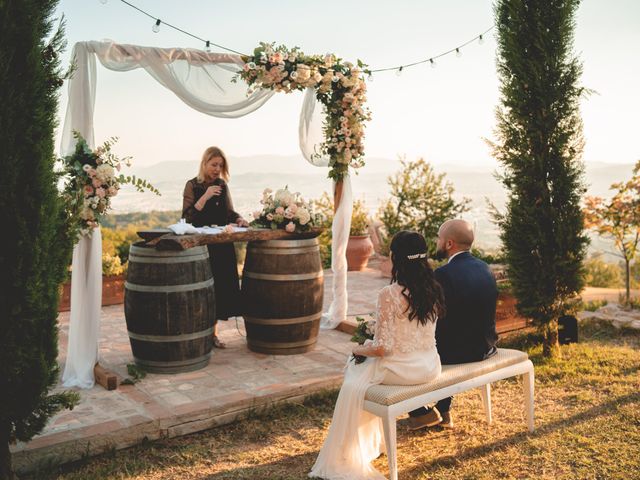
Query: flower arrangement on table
x=363, y=332
x=92, y=178
x=284, y=210
x=339, y=85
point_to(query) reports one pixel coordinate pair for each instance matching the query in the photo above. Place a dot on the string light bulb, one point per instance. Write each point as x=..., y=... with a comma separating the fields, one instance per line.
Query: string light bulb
x=480, y=39
x=370, y=77
x=156, y=26
x=399, y=71
x=208, y=46
x=458, y=52
x=432, y=62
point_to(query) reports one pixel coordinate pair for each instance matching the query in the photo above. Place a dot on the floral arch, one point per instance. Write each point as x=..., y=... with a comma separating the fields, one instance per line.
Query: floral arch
x=331, y=135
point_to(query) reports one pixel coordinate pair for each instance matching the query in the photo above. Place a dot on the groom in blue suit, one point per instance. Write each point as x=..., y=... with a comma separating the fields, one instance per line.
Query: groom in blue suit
x=467, y=332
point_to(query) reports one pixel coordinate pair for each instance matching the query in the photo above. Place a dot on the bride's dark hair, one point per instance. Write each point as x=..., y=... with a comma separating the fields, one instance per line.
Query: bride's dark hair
x=411, y=270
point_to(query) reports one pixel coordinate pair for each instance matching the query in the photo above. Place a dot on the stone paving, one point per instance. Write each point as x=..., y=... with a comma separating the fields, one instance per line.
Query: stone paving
x=235, y=382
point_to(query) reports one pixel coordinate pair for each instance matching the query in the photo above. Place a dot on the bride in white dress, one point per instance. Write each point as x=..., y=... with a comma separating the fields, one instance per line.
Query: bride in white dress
x=403, y=352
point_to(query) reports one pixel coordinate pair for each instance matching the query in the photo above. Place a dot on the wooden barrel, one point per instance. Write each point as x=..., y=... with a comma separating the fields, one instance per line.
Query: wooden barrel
x=282, y=292
x=169, y=306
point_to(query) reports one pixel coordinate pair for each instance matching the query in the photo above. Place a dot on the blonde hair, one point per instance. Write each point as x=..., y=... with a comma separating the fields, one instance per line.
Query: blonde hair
x=208, y=154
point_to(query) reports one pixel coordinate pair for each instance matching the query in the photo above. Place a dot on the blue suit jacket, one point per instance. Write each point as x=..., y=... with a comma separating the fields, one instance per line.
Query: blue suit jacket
x=467, y=332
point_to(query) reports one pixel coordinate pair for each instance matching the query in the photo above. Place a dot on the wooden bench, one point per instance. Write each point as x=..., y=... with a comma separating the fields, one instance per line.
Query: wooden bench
x=391, y=401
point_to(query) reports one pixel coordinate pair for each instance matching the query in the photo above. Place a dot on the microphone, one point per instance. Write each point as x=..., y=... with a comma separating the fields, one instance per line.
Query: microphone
x=220, y=183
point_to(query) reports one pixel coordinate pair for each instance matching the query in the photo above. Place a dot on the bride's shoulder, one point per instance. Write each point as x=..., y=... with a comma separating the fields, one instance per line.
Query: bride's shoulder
x=390, y=288
x=390, y=291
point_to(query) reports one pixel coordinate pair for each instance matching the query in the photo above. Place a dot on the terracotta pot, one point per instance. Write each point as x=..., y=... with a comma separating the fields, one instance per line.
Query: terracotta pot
x=359, y=249
x=112, y=292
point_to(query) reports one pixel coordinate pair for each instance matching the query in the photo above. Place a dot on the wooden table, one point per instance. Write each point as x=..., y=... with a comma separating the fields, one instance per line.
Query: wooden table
x=165, y=239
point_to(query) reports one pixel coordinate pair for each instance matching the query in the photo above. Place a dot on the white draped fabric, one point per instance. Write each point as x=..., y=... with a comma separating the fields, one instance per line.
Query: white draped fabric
x=84, y=322
x=311, y=135
x=203, y=81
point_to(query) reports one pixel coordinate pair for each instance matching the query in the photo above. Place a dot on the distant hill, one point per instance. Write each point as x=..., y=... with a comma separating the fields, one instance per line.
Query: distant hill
x=251, y=175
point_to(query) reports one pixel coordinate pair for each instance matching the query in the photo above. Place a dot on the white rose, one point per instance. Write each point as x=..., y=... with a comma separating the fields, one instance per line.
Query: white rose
x=104, y=173
x=284, y=197
x=304, y=72
x=303, y=216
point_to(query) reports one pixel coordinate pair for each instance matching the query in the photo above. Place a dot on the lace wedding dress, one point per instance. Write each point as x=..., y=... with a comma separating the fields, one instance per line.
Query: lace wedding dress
x=355, y=437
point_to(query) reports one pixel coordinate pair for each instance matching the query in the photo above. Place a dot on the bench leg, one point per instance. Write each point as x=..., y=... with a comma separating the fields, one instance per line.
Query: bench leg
x=389, y=427
x=485, y=392
x=528, y=397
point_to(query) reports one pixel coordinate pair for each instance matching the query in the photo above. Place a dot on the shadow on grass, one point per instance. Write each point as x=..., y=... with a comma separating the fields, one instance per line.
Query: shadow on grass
x=518, y=438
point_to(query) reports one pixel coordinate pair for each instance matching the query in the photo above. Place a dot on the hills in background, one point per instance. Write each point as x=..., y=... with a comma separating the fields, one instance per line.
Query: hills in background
x=251, y=175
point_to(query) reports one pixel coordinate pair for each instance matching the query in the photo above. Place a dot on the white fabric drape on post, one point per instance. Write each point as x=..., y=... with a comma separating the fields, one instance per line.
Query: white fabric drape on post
x=311, y=135
x=84, y=322
x=204, y=82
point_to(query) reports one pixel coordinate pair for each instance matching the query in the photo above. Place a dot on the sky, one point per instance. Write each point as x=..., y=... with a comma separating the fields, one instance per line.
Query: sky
x=442, y=114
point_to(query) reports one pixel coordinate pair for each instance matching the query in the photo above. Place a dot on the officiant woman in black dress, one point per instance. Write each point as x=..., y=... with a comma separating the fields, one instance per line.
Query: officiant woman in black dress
x=207, y=201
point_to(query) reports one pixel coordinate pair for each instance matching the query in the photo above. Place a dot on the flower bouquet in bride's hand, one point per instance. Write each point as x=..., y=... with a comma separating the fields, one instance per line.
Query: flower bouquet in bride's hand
x=285, y=210
x=91, y=178
x=364, y=331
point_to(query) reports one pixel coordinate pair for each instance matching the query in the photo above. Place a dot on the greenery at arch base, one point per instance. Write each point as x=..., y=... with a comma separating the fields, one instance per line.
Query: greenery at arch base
x=339, y=86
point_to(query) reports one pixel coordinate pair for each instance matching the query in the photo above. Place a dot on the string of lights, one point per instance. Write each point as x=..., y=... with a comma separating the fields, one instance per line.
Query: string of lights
x=369, y=71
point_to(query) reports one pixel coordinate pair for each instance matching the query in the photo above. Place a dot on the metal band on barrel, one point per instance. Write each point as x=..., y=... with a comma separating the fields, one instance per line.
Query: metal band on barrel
x=287, y=277
x=282, y=251
x=171, y=338
x=168, y=288
x=160, y=260
x=282, y=321
x=284, y=244
x=153, y=253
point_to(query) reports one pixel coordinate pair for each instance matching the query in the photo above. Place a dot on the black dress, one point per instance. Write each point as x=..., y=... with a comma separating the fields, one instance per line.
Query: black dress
x=222, y=256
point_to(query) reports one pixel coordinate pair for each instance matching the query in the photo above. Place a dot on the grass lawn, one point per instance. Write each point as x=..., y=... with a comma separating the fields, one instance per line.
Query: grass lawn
x=587, y=427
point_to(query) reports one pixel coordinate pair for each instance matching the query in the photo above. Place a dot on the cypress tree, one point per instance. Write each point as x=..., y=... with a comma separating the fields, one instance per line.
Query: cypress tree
x=539, y=145
x=36, y=247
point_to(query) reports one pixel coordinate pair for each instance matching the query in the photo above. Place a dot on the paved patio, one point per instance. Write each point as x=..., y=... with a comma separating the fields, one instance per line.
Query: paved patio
x=236, y=382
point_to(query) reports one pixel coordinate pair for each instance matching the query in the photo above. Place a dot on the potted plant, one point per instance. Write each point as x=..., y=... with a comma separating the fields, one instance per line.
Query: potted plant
x=112, y=279
x=112, y=283
x=359, y=247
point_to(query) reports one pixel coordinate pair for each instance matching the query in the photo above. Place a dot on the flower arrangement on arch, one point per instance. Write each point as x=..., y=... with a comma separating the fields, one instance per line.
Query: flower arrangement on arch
x=92, y=178
x=339, y=85
x=285, y=210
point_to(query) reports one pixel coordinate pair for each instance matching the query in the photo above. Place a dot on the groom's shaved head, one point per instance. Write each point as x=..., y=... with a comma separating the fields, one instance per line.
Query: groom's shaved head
x=459, y=231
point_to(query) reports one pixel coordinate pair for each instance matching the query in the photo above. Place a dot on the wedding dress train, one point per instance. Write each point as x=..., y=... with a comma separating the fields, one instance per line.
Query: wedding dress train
x=355, y=437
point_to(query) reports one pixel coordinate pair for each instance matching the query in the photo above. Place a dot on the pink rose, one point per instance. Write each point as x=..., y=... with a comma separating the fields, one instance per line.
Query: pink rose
x=88, y=190
x=269, y=216
x=96, y=183
x=291, y=227
x=279, y=211
x=100, y=192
